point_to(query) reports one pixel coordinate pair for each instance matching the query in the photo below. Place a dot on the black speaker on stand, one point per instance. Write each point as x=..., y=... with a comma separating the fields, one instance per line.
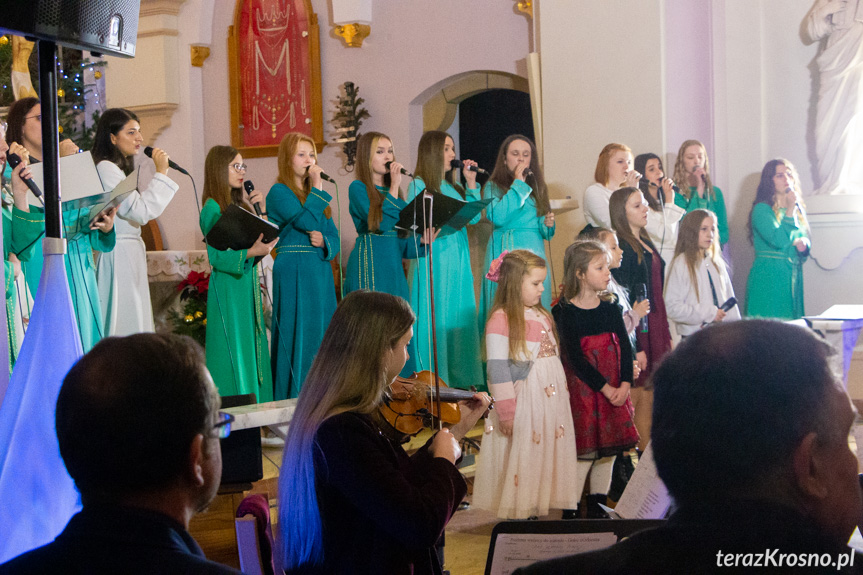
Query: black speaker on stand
x=101, y=26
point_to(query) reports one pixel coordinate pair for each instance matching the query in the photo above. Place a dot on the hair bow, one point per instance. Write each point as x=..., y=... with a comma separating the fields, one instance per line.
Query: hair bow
x=494, y=269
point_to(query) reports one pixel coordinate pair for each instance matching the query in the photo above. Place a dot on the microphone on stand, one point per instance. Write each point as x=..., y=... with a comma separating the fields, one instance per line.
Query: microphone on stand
x=459, y=164
x=250, y=187
x=403, y=171
x=171, y=163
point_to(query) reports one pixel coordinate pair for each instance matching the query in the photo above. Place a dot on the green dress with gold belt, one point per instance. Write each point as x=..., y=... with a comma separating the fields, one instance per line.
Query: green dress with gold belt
x=775, y=286
x=238, y=354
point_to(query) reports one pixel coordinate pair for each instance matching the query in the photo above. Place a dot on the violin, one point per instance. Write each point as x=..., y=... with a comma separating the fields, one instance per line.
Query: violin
x=410, y=404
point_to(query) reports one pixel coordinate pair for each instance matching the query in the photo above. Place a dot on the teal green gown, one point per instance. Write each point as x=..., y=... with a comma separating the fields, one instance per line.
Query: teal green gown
x=458, y=347
x=304, y=293
x=516, y=227
x=238, y=354
x=81, y=271
x=21, y=230
x=716, y=206
x=375, y=263
x=775, y=285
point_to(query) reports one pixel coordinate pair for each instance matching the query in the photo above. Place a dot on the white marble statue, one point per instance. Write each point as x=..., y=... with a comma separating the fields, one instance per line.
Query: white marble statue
x=838, y=24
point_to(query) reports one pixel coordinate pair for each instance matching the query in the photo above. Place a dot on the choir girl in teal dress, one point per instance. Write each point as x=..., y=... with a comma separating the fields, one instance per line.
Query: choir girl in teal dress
x=304, y=296
x=692, y=176
x=519, y=211
x=238, y=354
x=455, y=304
x=376, y=199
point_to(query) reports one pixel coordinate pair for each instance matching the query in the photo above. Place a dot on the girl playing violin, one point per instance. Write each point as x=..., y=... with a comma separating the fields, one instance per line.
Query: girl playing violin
x=352, y=500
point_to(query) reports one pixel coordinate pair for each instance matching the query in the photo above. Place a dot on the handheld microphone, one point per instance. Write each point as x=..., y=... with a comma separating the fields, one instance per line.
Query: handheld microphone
x=641, y=290
x=459, y=164
x=673, y=187
x=171, y=163
x=250, y=187
x=730, y=303
x=403, y=171
x=527, y=173
x=14, y=160
x=324, y=176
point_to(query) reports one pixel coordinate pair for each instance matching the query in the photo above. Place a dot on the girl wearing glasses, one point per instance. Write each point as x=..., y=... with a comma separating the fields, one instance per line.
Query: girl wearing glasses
x=25, y=123
x=24, y=127
x=122, y=273
x=237, y=353
x=304, y=295
x=352, y=500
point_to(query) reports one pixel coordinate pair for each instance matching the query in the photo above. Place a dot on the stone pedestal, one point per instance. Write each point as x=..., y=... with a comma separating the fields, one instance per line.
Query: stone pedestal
x=834, y=273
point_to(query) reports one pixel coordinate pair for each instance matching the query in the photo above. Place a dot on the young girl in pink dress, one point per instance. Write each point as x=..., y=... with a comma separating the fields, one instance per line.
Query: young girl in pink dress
x=528, y=458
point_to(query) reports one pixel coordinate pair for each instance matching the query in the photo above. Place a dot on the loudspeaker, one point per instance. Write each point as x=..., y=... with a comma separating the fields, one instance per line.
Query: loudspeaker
x=241, y=451
x=102, y=26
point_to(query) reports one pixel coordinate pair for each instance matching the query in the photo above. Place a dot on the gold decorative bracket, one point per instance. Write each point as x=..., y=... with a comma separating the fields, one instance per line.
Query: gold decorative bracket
x=353, y=34
x=199, y=54
x=526, y=7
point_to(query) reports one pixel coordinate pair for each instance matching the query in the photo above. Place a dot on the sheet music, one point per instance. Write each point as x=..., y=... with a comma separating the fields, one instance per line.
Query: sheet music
x=514, y=550
x=80, y=185
x=645, y=496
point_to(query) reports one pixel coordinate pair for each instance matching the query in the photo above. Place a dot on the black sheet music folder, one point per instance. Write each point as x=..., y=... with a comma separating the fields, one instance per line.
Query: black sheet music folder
x=448, y=214
x=238, y=229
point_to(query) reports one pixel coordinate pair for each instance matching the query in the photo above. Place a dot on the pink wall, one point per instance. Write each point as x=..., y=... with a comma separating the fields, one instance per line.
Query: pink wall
x=412, y=46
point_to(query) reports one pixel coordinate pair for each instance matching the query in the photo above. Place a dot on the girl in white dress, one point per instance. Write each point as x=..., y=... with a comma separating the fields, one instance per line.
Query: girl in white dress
x=122, y=273
x=527, y=464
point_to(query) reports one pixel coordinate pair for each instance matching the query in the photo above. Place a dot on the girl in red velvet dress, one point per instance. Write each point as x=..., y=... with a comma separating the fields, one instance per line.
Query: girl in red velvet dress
x=597, y=359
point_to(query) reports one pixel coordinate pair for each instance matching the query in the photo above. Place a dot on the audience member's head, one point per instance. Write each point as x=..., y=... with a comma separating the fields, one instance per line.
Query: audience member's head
x=137, y=415
x=752, y=410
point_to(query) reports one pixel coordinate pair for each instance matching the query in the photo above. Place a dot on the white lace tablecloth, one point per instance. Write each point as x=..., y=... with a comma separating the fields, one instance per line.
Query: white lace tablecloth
x=174, y=266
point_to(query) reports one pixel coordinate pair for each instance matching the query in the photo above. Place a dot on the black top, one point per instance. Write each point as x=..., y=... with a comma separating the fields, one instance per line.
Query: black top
x=574, y=323
x=694, y=535
x=381, y=510
x=631, y=273
x=108, y=540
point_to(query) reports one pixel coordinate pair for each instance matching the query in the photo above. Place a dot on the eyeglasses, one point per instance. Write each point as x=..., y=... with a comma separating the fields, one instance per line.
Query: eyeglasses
x=38, y=117
x=239, y=167
x=223, y=427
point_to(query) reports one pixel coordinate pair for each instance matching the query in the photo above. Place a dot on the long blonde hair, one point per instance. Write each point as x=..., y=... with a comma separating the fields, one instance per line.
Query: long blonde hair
x=287, y=150
x=515, y=266
x=681, y=176
x=576, y=260
x=687, y=247
x=349, y=373
x=366, y=147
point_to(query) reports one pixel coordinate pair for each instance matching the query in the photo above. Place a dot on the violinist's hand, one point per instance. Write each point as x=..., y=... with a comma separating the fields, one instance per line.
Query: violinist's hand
x=505, y=427
x=471, y=410
x=446, y=446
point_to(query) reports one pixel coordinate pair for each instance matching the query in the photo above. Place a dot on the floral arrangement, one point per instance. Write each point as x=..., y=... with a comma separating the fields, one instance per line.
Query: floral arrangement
x=192, y=321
